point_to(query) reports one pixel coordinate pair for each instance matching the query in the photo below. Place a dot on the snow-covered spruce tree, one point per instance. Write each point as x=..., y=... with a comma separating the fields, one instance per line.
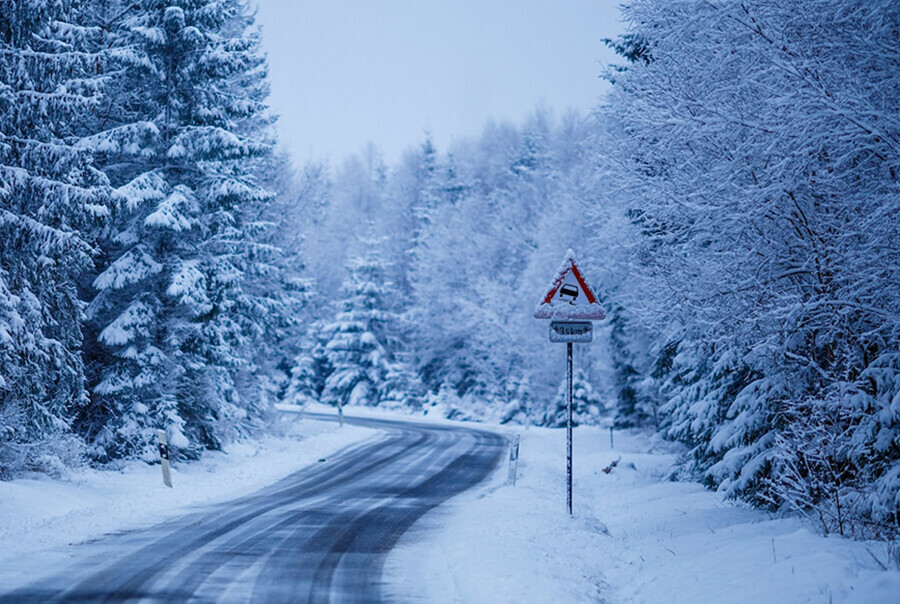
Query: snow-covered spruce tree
x=634, y=406
x=275, y=283
x=477, y=229
x=310, y=366
x=588, y=408
x=303, y=385
x=352, y=199
x=402, y=387
x=298, y=349
x=363, y=370
x=185, y=129
x=51, y=198
x=520, y=403
x=762, y=151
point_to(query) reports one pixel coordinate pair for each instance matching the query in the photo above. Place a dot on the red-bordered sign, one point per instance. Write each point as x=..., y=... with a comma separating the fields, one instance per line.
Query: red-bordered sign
x=569, y=296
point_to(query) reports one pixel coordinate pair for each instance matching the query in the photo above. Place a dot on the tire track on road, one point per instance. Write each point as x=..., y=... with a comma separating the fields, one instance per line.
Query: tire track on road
x=319, y=535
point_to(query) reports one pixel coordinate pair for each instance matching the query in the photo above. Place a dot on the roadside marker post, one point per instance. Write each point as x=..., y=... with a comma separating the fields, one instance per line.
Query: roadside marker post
x=513, y=470
x=571, y=305
x=164, y=457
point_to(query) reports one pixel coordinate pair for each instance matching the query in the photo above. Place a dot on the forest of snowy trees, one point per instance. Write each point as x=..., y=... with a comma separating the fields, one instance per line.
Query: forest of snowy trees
x=734, y=201
x=141, y=283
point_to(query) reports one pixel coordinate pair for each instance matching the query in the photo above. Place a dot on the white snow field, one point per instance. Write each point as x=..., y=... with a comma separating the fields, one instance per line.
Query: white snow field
x=635, y=536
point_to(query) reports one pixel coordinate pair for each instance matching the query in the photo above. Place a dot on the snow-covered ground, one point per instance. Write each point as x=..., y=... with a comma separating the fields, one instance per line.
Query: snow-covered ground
x=634, y=537
x=40, y=517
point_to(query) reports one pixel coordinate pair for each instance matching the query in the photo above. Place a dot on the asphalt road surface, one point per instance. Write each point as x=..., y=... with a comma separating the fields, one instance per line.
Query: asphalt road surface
x=319, y=535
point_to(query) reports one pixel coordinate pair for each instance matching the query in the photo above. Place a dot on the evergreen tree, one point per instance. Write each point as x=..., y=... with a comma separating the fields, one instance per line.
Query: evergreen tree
x=363, y=369
x=587, y=406
x=401, y=387
x=275, y=285
x=309, y=368
x=51, y=199
x=186, y=127
x=628, y=355
x=302, y=387
x=520, y=402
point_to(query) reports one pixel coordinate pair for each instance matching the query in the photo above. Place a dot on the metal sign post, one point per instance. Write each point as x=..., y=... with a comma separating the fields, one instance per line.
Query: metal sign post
x=569, y=426
x=571, y=305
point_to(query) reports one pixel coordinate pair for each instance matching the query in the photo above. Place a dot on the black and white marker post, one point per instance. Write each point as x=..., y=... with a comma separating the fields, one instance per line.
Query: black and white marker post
x=567, y=304
x=513, y=470
x=164, y=457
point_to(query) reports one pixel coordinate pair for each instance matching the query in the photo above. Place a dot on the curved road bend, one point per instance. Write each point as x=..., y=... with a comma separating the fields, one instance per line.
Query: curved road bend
x=319, y=535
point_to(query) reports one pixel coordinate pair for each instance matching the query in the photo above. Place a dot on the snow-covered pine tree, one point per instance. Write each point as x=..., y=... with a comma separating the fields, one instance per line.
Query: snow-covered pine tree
x=275, y=282
x=309, y=367
x=587, y=406
x=520, y=402
x=357, y=348
x=402, y=387
x=185, y=127
x=628, y=356
x=465, y=267
x=423, y=195
x=51, y=200
x=303, y=385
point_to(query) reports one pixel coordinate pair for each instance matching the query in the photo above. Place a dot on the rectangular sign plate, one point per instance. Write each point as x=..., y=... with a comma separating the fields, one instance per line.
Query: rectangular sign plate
x=571, y=331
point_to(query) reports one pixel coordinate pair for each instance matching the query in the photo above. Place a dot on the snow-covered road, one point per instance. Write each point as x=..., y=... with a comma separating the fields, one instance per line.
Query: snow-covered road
x=318, y=535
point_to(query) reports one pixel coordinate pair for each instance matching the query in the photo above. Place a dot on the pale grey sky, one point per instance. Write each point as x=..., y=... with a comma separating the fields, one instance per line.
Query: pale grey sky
x=347, y=72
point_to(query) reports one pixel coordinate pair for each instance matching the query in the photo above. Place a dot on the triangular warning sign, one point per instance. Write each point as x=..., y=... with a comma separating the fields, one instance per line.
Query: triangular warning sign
x=569, y=296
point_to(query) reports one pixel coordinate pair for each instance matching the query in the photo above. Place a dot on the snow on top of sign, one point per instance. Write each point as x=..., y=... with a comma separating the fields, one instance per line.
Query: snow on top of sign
x=566, y=312
x=550, y=308
x=568, y=262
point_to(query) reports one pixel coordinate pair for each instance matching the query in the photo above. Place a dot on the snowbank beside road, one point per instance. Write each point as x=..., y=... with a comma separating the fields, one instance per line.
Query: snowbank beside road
x=44, y=515
x=635, y=537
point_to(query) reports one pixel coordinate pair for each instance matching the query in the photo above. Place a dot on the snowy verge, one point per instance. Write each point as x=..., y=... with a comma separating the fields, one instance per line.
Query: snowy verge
x=635, y=537
x=41, y=515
